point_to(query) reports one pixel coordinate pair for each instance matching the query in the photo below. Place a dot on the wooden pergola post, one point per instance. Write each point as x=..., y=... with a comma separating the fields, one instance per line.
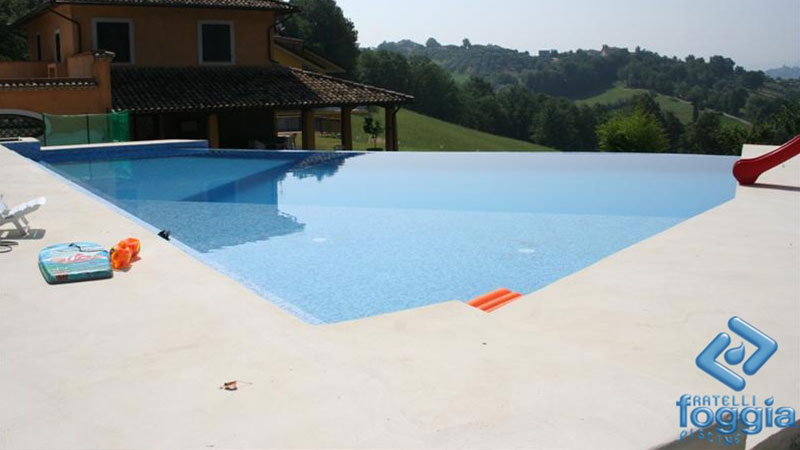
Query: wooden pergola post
x=162, y=126
x=347, y=127
x=395, y=138
x=272, y=122
x=213, y=130
x=391, y=129
x=309, y=139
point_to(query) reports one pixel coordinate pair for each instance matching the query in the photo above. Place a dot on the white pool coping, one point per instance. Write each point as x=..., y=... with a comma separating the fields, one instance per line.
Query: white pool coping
x=595, y=360
x=199, y=143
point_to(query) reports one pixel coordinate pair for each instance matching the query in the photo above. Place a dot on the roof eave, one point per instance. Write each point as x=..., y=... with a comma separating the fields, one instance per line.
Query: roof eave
x=38, y=9
x=336, y=69
x=288, y=9
x=410, y=98
x=286, y=107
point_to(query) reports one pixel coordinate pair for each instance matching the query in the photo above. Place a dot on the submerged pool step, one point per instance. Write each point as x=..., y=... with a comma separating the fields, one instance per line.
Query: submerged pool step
x=494, y=300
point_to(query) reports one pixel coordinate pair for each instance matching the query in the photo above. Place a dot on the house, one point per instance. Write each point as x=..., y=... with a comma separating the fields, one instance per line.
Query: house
x=210, y=69
x=548, y=54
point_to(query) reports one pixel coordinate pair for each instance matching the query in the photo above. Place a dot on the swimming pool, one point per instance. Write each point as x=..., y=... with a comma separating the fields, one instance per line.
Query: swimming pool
x=336, y=237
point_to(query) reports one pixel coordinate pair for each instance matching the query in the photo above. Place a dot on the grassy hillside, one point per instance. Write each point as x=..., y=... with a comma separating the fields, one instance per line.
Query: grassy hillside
x=423, y=133
x=615, y=94
x=619, y=93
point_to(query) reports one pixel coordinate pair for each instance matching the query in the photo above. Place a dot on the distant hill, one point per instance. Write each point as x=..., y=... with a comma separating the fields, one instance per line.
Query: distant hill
x=561, y=98
x=785, y=72
x=715, y=83
x=496, y=64
x=682, y=109
x=422, y=133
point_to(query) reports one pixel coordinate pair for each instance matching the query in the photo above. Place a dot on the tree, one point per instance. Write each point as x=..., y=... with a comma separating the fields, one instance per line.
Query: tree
x=753, y=80
x=732, y=138
x=707, y=135
x=435, y=92
x=384, y=69
x=325, y=29
x=760, y=108
x=373, y=128
x=779, y=127
x=555, y=124
x=647, y=104
x=675, y=130
x=520, y=106
x=466, y=43
x=638, y=132
x=12, y=43
x=481, y=110
x=432, y=43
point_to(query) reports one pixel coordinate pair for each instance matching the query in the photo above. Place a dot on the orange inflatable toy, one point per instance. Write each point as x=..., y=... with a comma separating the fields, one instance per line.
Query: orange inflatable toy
x=133, y=245
x=124, y=252
x=120, y=258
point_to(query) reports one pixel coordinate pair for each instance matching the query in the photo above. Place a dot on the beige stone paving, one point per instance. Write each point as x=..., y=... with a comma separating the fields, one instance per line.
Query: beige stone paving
x=596, y=360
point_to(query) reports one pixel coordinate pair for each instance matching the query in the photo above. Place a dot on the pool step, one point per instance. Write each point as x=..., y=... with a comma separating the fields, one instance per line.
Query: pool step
x=494, y=300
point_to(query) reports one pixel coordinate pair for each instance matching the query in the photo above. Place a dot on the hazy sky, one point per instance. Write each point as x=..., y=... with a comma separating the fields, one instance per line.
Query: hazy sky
x=757, y=34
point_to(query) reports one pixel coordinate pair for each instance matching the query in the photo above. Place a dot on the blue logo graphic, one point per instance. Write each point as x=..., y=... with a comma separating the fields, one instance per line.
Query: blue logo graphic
x=765, y=348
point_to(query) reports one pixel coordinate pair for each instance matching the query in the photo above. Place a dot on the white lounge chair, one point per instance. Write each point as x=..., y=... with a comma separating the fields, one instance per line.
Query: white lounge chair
x=16, y=215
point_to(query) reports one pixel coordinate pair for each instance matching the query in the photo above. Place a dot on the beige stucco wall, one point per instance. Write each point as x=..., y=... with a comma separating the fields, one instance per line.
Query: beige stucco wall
x=162, y=36
x=65, y=99
x=55, y=101
x=46, y=25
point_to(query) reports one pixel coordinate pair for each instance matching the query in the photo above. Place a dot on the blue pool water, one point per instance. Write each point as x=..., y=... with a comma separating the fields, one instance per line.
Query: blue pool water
x=337, y=238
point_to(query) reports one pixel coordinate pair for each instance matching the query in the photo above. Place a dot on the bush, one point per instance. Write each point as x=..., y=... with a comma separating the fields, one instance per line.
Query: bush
x=638, y=132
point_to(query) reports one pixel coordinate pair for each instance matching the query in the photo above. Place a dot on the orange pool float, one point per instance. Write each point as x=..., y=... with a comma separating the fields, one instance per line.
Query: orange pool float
x=494, y=300
x=480, y=301
x=120, y=258
x=133, y=244
x=126, y=251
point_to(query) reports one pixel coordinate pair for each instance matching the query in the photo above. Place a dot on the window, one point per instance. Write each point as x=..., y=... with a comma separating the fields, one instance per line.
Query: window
x=38, y=47
x=58, y=46
x=216, y=42
x=114, y=35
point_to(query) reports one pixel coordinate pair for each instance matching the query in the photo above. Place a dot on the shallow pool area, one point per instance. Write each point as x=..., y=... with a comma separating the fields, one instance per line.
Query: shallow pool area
x=336, y=237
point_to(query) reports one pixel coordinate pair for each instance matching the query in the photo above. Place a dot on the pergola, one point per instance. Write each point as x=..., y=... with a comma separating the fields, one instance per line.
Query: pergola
x=251, y=95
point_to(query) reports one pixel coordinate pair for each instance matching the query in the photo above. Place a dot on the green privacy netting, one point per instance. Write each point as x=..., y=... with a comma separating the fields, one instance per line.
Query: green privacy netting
x=86, y=128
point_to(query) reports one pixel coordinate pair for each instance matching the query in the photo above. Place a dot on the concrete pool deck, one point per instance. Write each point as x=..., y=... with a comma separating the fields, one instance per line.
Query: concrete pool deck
x=595, y=360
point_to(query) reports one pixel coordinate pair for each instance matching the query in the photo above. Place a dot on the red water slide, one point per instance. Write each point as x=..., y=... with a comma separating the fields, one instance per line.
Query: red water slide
x=747, y=171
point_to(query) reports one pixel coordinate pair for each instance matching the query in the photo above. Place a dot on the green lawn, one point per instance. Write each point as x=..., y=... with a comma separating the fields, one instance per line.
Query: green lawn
x=460, y=78
x=618, y=92
x=422, y=133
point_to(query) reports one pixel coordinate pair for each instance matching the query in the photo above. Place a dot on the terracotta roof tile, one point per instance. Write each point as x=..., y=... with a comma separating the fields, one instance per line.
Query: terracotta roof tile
x=274, y=5
x=48, y=83
x=218, y=88
x=278, y=6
